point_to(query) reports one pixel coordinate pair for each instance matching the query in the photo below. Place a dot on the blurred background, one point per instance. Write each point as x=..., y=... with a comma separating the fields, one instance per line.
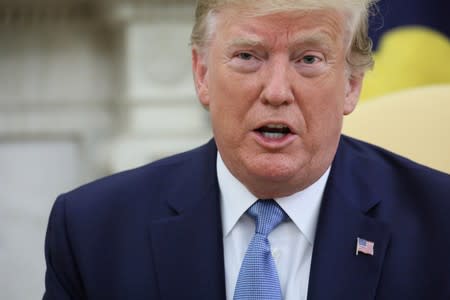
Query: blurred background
x=93, y=87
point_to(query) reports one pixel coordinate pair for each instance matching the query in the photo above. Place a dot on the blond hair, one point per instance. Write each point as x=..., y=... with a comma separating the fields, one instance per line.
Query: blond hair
x=359, y=56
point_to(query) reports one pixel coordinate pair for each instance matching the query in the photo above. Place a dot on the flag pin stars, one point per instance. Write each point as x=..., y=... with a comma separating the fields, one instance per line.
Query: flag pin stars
x=364, y=246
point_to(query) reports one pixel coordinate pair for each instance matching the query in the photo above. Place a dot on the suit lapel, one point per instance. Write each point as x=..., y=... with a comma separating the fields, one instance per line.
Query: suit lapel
x=336, y=271
x=187, y=248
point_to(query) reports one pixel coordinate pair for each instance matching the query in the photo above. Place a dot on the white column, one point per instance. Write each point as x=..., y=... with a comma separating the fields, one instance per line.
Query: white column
x=161, y=113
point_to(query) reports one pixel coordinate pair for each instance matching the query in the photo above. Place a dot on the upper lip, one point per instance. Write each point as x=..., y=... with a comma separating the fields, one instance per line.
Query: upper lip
x=275, y=123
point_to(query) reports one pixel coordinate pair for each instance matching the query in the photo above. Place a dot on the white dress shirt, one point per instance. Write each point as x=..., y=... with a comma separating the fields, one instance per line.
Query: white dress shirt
x=291, y=242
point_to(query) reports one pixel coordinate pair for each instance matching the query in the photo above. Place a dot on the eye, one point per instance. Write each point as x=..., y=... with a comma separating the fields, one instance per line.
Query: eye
x=311, y=63
x=310, y=59
x=245, y=56
x=245, y=61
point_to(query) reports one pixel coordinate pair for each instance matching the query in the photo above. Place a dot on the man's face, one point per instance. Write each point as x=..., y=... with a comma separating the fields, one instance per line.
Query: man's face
x=277, y=88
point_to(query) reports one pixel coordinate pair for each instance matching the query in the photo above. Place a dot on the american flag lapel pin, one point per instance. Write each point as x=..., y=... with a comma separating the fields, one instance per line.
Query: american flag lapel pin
x=364, y=246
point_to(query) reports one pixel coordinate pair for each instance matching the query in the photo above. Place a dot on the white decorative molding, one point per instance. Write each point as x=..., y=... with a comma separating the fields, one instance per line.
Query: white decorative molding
x=167, y=120
x=44, y=64
x=160, y=111
x=158, y=62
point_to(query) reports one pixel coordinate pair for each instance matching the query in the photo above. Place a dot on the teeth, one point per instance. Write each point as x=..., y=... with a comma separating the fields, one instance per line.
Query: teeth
x=276, y=126
x=273, y=135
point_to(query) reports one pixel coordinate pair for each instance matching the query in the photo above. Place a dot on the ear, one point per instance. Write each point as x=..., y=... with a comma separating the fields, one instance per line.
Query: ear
x=353, y=90
x=200, y=70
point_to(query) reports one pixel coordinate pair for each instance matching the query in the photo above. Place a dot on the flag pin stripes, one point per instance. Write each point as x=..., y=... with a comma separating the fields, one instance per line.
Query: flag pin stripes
x=364, y=246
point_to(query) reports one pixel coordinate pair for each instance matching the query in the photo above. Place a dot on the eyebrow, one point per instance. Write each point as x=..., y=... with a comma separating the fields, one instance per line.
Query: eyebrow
x=245, y=42
x=313, y=38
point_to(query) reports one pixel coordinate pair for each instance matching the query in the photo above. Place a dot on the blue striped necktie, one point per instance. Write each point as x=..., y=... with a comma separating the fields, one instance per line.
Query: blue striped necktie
x=258, y=277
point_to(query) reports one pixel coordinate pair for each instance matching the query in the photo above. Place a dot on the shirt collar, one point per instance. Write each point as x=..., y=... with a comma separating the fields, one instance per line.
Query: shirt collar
x=302, y=207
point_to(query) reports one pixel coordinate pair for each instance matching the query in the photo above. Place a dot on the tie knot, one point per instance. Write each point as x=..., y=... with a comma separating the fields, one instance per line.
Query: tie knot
x=267, y=215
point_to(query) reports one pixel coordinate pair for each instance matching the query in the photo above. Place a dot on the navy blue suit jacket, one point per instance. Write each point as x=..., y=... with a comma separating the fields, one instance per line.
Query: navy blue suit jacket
x=155, y=232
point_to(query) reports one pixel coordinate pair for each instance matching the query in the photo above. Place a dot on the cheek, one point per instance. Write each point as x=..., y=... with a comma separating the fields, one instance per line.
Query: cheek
x=232, y=96
x=225, y=110
x=322, y=109
x=329, y=93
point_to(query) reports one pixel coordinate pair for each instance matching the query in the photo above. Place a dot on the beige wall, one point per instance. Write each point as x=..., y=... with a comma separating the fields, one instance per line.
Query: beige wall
x=86, y=89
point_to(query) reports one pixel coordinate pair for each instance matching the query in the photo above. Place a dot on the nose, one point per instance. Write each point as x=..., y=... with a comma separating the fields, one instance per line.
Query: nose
x=277, y=89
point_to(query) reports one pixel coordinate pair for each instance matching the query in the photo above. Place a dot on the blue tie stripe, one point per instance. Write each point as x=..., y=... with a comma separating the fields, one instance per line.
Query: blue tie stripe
x=258, y=277
x=267, y=215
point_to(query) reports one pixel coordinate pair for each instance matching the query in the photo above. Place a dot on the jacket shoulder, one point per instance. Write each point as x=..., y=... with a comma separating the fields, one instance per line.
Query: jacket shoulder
x=398, y=181
x=389, y=161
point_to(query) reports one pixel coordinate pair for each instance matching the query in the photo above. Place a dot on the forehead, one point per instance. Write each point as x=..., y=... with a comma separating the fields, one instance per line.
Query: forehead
x=238, y=27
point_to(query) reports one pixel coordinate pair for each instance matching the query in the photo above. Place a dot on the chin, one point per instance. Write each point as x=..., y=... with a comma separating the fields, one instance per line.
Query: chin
x=275, y=169
x=276, y=175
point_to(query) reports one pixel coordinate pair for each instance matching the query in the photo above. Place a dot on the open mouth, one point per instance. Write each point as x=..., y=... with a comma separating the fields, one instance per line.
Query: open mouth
x=274, y=131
